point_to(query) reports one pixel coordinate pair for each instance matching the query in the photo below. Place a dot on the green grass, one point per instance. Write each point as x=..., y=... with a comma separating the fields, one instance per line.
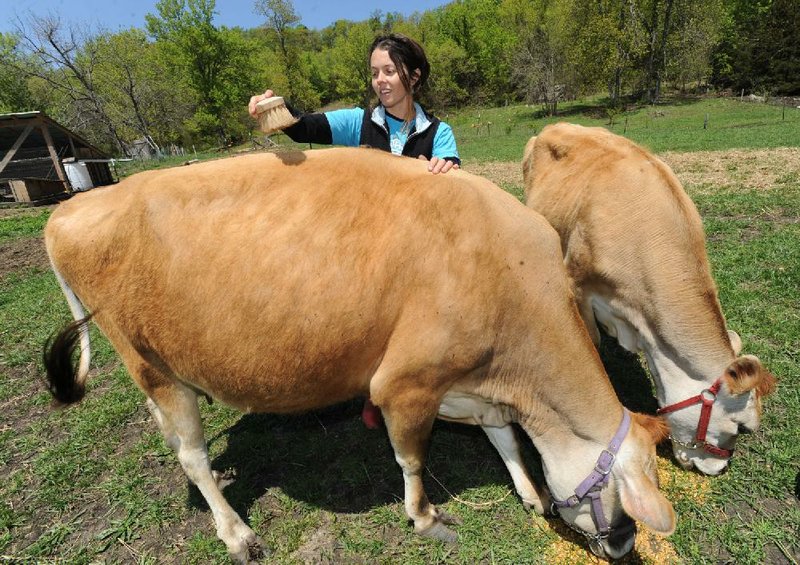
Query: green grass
x=732, y=124
x=754, y=511
x=23, y=225
x=95, y=483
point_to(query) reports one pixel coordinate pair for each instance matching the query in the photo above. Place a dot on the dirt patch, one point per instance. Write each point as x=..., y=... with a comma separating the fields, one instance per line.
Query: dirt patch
x=700, y=171
x=22, y=254
x=320, y=547
x=759, y=169
x=501, y=173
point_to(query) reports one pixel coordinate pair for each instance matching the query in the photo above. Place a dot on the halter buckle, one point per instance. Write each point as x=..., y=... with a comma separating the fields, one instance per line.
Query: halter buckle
x=605, y=462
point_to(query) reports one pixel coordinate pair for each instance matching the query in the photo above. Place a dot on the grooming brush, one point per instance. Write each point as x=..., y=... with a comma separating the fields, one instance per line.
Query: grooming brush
x=273, y=115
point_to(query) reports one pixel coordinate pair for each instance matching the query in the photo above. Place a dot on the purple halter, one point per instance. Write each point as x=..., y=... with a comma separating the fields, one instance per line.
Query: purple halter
x=592, y=485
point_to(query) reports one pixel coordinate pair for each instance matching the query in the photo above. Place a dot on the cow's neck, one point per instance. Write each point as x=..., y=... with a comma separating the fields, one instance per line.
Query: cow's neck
x=683, y=352
x=677, y=377
x=570, y=442
x=569, y=410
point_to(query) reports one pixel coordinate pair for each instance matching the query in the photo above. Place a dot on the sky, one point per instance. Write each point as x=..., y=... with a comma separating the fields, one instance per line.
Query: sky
x=114, y=15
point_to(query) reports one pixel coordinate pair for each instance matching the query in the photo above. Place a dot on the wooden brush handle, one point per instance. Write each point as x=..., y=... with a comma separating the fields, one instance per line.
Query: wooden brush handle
x=269, y=103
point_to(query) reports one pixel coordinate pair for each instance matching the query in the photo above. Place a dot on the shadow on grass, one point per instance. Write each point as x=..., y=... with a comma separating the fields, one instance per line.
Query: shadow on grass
x=329, y=460
x=629, y=378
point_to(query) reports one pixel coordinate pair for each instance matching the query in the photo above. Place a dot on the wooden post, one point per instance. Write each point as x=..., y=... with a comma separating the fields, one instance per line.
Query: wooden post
x=17, y=144
x=705, y=122
x=53, y=155
x=72, y=147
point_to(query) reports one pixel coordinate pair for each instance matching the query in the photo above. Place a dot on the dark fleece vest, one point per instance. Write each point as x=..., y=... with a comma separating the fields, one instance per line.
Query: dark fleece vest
x=377, y=136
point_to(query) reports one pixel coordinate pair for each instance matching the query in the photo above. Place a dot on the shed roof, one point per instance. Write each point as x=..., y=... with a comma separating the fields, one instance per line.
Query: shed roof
x=12, y=125
x=33, y=146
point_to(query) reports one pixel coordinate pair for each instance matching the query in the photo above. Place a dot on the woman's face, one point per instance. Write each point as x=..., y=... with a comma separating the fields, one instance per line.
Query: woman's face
x=387, y=84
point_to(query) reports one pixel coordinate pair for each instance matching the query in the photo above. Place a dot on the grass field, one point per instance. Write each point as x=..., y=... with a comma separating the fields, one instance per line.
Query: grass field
x=96, y=483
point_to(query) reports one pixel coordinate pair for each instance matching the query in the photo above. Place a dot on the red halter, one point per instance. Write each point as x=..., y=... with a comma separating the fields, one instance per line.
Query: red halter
x=707, y=398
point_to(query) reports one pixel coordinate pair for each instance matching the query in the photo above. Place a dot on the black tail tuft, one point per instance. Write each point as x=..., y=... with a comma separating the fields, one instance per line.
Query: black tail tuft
x=59, y=351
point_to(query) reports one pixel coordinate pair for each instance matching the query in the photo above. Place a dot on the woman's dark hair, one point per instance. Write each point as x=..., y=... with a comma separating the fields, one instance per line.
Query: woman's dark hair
x=408, y=56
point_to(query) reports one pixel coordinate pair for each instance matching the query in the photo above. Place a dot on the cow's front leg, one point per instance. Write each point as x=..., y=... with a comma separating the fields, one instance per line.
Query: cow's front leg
x=409, y=422
x=495, y=420
x=504, y=440
x=175, y=410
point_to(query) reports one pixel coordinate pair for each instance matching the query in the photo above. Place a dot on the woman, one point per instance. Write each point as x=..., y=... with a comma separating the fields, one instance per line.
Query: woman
x=397, y=124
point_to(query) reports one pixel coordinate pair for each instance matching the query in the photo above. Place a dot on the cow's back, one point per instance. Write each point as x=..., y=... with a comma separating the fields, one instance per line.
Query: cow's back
x=296, y=271
x=576, y=173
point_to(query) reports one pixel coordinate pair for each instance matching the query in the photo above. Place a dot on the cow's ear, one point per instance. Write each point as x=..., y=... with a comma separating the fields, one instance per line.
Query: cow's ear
x=736, y=342
x=746, y=373
x=642, y=501
x=558, y=151
x=657, y=427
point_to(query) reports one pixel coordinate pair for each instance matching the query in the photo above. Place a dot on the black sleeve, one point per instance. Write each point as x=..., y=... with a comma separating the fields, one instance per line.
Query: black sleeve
x=311, y=128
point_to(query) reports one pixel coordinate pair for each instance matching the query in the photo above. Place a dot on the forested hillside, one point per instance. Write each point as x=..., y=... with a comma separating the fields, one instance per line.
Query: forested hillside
x=184, y=80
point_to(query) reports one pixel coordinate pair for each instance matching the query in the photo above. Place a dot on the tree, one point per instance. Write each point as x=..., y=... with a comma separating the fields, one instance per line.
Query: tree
x=539, y=70
x=214, y=61
x=350, y=70
x=15, y=96
x=475, y=27
x=282, y=20
x=698, y=29
x=781, y=47
x=280, y=16
x=130, y=76
x=450, y=69
x=602, y=42
x=63, y=73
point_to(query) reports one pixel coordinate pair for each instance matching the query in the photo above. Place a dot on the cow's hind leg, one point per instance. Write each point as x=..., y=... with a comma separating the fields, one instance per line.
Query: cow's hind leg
x=174, y=407
x=409, y=418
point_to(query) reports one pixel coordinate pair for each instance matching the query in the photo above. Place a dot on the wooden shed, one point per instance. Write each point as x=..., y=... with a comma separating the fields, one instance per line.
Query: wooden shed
x=42, y=161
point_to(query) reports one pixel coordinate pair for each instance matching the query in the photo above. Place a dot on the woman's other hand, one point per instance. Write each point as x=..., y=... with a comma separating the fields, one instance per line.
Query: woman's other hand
x=251, y=107
x=437, y=165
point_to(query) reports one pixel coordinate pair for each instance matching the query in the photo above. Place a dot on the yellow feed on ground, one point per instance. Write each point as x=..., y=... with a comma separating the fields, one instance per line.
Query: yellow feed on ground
x=650, y=548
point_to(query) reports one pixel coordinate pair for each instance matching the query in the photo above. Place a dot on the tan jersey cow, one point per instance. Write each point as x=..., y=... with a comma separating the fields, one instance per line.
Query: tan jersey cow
x=289, y=283
x=633, y=242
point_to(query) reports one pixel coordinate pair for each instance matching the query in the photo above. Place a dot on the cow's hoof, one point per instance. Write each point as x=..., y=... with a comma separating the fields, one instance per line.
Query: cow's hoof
x=249, y=550
x=256, y=551
x=441, y=532
x=535, y=505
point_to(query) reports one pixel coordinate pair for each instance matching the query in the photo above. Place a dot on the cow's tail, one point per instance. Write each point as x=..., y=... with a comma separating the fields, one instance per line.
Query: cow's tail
x=66, y=382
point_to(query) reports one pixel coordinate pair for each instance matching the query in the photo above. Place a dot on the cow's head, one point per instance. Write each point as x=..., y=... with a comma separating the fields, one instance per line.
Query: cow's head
x=631, y=493
x=730, y=407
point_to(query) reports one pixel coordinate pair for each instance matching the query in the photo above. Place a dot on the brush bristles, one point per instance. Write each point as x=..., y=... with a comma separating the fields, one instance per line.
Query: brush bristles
x=273, y=115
